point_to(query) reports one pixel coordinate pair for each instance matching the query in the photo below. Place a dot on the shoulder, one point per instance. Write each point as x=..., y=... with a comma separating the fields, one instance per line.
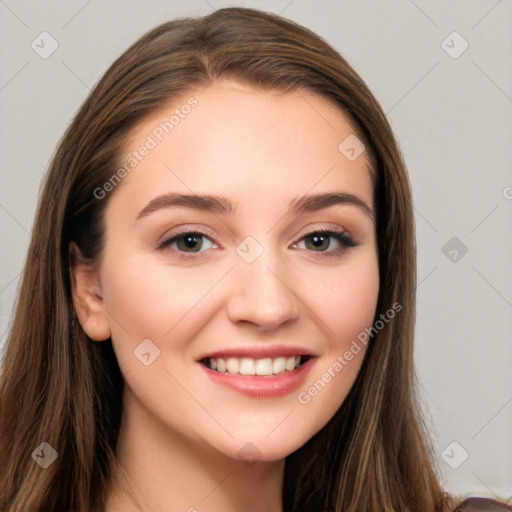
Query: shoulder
x=483, y=505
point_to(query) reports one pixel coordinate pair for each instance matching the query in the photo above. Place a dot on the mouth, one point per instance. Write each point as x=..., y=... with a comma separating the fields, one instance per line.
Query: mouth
x=259, y=371
x=250, y=367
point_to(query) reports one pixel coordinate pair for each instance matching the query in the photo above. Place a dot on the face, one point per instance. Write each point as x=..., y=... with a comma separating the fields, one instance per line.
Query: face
x=240, y=266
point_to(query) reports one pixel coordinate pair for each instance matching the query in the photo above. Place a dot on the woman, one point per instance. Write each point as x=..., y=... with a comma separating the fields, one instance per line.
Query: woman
x=218, y=303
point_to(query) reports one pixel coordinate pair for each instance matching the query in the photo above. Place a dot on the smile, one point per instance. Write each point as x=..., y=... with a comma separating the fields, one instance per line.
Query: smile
x=259, y=371
x=248, y=366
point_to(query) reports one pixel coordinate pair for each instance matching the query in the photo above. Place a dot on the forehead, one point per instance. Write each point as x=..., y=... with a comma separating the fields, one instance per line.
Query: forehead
x=245, y=143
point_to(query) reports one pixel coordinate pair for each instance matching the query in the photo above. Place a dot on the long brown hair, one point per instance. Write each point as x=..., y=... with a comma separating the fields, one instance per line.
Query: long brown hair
x=59, y=387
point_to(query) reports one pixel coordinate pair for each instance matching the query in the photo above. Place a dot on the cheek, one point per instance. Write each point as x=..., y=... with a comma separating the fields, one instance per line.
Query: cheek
x=346, y=299
x=154, y=300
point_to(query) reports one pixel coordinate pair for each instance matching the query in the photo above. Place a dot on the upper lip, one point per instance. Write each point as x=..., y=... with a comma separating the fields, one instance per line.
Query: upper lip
x=259, y=352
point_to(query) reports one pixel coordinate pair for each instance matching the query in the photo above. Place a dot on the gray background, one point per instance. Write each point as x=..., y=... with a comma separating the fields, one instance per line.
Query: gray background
x=452, y=117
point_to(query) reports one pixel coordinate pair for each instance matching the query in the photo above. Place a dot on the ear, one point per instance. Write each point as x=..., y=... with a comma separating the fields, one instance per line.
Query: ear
x=87, y=298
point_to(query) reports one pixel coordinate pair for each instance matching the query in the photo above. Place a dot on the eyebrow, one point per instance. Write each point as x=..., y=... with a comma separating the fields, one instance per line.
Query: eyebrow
x=222, y=205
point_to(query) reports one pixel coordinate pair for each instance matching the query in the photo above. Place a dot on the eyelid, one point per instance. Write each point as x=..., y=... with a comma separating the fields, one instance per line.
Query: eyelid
x=333, y=229
x=329, y=228
x=183, y=230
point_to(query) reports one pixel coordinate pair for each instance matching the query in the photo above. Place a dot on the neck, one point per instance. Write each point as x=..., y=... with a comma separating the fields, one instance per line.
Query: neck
x=163, y=470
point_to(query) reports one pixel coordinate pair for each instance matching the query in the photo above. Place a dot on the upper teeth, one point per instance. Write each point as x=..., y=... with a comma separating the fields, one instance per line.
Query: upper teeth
x=249, y=366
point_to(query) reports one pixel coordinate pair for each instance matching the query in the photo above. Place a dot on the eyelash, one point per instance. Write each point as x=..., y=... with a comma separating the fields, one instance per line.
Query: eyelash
x=341, y=236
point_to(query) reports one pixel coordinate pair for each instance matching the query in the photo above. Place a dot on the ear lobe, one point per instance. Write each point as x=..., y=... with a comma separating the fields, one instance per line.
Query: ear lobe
x=86, y=293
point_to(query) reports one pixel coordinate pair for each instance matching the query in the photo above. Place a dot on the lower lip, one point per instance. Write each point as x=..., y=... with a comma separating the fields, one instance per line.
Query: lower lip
x=264, y=386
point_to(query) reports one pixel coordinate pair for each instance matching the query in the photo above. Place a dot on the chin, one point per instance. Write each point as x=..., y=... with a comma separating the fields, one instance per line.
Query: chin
x=260, y=449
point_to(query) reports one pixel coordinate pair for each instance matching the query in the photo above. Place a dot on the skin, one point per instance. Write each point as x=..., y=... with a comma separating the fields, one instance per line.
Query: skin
x=181, y=433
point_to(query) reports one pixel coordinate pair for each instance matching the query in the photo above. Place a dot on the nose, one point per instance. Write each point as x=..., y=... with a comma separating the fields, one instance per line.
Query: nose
x=262, y=296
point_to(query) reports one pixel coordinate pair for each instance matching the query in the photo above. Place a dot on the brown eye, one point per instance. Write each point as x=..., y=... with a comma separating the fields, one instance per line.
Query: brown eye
x=317, y=242
x=187, y=242
x=332, y=243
